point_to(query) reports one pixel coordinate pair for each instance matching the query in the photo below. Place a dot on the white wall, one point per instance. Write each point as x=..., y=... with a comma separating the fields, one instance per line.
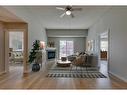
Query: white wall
x=36, y=32
x=114, y=20
x=2, y=61
x=67, y=32
x=35, y=27
x=79, y=43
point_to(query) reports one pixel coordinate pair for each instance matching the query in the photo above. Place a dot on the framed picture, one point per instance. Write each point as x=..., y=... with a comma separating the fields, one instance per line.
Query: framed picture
x=90, y=45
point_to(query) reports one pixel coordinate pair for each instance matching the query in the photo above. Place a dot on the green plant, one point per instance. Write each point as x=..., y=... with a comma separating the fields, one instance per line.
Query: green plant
x=34, y=51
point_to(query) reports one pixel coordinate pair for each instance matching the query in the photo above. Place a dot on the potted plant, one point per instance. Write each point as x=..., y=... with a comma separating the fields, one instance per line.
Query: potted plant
x=34, y=56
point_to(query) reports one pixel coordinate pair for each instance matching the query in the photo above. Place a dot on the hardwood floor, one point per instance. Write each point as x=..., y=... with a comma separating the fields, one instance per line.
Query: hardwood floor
x=37, y=80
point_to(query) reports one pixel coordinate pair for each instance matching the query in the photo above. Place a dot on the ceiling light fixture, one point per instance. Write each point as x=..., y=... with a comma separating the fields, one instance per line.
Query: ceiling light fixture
x=68, y=12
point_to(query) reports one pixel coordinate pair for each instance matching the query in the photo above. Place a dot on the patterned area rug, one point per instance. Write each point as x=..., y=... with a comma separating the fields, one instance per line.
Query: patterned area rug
x=76, y=75
x=56, y=68
x=66, y=72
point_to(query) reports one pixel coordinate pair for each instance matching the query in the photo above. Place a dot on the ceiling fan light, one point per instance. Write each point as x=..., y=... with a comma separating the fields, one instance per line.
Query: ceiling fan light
x=68, y=12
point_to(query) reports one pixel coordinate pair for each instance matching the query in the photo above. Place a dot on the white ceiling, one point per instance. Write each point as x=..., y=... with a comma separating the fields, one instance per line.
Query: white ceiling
x=7, y=16
x=49, y=16
x=83, y=19
x=104, y=35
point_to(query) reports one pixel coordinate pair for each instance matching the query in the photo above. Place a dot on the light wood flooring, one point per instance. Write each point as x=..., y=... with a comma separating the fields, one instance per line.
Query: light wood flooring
x=37, y=80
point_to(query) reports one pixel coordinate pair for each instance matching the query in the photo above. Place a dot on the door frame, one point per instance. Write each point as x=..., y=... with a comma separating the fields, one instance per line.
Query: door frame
x=25, y=53
x=108, y=53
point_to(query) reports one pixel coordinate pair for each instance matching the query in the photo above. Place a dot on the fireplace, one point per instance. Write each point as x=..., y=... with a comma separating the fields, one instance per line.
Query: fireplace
x=51, y=54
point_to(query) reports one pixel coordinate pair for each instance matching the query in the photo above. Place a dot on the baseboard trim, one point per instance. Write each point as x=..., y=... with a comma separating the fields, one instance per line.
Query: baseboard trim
x=119, y=77
x=1, y=73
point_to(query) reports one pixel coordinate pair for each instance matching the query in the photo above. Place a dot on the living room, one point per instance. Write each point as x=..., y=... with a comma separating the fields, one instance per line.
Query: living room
x=78, y=39
x=81, y=32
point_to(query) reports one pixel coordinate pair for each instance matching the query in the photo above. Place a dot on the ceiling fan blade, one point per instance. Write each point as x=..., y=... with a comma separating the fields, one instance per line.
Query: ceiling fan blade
x=72, y=15
x=60, y=8
x=76, y=9
x=62, y=15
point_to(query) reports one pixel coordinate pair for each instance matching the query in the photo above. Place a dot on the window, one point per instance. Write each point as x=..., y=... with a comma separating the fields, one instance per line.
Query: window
x=104, y=45
x=66, y=48
x=16, y=40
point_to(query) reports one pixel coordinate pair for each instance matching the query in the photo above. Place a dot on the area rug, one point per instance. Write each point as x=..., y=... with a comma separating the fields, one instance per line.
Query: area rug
x=61, y=69
x=76, y=75
x=79, y=72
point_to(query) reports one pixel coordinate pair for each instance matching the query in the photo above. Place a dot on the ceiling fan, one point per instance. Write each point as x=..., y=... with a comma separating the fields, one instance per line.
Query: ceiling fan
x=68, y=11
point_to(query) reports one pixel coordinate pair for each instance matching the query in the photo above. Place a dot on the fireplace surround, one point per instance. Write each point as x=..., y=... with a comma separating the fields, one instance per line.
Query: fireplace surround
x=51, y=53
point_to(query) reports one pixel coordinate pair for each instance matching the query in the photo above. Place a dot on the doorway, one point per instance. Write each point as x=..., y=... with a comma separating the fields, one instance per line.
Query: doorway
x=16, y=48
x=9, y=55
x=104, y=51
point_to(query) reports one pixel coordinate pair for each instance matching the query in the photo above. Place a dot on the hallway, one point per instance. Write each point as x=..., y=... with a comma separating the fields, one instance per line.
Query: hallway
x=103, y=67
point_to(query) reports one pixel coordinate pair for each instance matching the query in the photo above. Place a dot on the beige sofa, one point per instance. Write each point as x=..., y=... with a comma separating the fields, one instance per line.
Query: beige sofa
x=16, y=57
x=90, y=59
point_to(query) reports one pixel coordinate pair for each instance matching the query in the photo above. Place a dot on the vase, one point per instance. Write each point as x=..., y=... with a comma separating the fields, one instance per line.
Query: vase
x=35, y=67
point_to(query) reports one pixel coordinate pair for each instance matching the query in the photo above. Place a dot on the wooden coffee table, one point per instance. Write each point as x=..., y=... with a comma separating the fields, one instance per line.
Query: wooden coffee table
x=61, y=63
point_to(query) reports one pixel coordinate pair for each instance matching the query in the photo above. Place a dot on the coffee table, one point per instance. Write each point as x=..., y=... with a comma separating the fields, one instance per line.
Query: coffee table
x=61, y=63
